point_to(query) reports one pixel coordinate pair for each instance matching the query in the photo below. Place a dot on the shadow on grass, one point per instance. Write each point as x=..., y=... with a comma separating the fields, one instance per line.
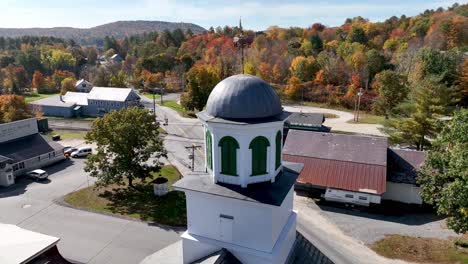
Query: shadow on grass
x=167, y=210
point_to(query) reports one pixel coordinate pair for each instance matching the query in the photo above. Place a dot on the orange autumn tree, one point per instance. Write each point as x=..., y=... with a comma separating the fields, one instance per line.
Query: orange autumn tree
x=12, y=108
x=293, y=88
x=38, y=80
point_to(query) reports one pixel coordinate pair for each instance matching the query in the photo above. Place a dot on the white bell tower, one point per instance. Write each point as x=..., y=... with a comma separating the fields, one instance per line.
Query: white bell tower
x=244, y=203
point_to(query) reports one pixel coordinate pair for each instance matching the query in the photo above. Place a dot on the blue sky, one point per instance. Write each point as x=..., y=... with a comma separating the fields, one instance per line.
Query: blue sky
x=256, y=14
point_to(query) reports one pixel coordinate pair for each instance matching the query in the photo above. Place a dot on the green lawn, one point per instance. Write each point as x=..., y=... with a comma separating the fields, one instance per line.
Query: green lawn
x=180, y=109
x=366, y=118
x=125, y=201
x=421, y=250
x=67, y=134
x=150, y=96
x=36, y=96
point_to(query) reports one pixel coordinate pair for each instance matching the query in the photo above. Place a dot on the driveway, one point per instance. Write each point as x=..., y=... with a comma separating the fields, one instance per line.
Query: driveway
x=340, y=123
x=331, y=240
x=85, y=237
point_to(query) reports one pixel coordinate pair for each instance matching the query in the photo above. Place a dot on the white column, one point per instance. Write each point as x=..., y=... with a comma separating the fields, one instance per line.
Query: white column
x=272, y=155
x=244, y=165
x=216, y=159
x=206, y=156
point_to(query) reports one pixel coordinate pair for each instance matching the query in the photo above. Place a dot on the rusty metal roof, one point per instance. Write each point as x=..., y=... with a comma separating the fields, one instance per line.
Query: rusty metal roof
x=343, y=175
x=348, y=162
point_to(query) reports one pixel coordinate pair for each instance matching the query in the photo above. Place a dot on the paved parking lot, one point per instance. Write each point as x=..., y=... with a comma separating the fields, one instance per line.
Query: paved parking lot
x=85, y=237
x=370, y=227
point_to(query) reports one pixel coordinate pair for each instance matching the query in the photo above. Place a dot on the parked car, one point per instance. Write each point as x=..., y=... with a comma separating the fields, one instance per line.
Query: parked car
x=67, y=151
x=38, y=175
x=81, y=152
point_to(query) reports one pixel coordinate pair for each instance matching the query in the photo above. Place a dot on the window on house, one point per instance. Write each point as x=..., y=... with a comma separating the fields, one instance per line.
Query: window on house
x=349, y=196
x=363, y=198
x=278, y=149
x=229, y=148
x=209, y=157
x=21, y=165
x=259, y=147
x=15, y=167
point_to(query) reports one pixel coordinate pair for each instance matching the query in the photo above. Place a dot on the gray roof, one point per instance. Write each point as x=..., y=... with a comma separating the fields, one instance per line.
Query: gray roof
x=340, y=147
x=306, y=119
x=27, y=147
x=265, y=192
x=222, y=256
x=304, y=251
x=53, y=101
x=243, y=96
x=404, y=164
x=110, y=94
x=3, y=159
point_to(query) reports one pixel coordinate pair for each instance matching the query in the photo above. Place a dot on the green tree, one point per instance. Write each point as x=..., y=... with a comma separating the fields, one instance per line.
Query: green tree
x=68, y=84
x=304, y=68
x=431, y=99
x=317, y=43
x=128, y=147
x=444, y=175
x=200, y=81
x=435, y=62
x=118, y=80
x=59, y=60
x=357, y=34
x=392, y=90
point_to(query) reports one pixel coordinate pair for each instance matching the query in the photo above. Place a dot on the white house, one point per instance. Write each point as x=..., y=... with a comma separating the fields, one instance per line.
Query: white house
x=83, y=86
x=22, y=149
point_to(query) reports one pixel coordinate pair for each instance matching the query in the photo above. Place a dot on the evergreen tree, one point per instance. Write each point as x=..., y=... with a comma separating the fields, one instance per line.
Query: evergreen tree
x=432, y=99
x=444, y=176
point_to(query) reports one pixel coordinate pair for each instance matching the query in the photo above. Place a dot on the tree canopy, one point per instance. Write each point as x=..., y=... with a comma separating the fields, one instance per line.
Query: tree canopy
x=128, y=147
x=444, y=176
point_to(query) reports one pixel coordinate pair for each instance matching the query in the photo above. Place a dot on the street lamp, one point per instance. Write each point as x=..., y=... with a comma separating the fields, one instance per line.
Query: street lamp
x=359, y=94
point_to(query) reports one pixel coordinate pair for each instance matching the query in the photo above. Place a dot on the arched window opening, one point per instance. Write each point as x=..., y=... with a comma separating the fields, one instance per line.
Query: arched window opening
x=229, y=148
x=259, y=147
x=209, y=151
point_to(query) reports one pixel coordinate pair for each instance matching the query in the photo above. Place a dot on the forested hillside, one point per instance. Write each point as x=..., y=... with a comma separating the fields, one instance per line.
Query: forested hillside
x=95, y=35
x=409, y=68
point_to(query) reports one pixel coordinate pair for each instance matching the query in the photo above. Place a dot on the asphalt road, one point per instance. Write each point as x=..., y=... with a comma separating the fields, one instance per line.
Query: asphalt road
x=85, y=237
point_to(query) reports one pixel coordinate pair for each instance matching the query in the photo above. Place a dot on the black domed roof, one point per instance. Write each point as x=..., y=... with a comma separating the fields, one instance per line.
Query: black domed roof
x=243, y=96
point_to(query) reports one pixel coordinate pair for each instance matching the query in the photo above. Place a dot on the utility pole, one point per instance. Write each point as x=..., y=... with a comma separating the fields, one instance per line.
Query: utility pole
x=192, y=156
x=154, y=102
x=359, y=94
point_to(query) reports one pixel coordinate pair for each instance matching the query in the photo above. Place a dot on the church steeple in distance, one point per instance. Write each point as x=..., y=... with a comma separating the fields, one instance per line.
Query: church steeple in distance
x=240, y=25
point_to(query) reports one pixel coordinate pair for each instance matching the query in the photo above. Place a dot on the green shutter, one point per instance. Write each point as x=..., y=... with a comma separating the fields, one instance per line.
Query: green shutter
x=229, y=148
x=209, y=152
x=278, y=150
x=259, y=147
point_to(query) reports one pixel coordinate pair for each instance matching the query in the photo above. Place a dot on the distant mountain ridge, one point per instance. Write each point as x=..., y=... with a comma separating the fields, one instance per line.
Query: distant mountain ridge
x=119, y=29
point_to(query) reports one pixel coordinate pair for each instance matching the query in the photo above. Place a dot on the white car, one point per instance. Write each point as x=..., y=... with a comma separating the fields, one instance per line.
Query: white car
x=38, y=175
x=81, y=152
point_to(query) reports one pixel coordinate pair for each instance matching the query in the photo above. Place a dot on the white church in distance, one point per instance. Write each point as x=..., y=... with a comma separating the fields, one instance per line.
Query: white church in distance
x=243, y=205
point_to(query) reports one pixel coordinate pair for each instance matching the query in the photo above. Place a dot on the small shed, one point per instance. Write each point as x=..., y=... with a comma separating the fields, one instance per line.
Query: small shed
x=307, y=121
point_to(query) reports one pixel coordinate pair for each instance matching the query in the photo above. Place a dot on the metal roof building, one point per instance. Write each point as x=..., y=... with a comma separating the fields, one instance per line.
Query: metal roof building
x=347, y=162
x=97, y=102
